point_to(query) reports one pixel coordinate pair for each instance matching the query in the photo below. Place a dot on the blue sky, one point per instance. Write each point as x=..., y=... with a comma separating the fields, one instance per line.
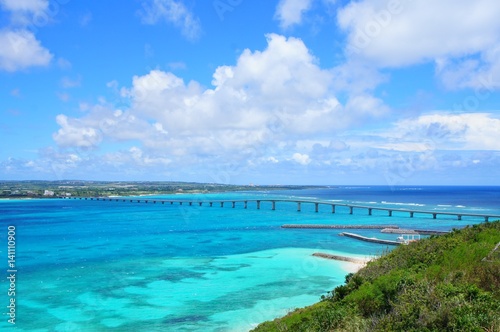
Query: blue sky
x=236, y=91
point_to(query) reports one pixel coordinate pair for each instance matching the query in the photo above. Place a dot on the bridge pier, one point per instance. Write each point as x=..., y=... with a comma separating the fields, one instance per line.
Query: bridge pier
x=234, y=204
x=162, y=202
x=190, y=203
x=316, y=207
x=333, y=208
x=486, y=219
x=211, y=203
x=390, y=213
x=171, y=203
x=245, y=204
x=434, y=215
x=258, y=205
x=200, y=203
x=459, y=217
x=369, y=212
x=298, y=206
x=221, y=204
x=274, y=205
x=351, y=209
x=411, y=214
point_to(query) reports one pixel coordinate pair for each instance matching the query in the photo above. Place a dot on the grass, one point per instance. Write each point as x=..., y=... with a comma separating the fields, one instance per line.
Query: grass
x=437, y=284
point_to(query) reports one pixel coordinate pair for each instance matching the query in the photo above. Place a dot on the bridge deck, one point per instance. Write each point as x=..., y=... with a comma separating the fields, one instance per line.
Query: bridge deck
x=299, y=203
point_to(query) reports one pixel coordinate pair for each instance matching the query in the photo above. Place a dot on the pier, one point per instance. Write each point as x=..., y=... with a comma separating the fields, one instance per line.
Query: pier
x=370, y=239
x=332, y=206
x=313, y=226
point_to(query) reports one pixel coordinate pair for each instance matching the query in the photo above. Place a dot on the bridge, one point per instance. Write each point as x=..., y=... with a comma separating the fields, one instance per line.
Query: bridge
x=299, y=202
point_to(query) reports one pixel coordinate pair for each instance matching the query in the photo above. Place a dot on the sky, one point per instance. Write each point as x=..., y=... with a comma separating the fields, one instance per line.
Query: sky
x=328, y=92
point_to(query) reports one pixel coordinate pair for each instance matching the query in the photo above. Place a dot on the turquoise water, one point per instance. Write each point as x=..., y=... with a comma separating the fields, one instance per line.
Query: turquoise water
x=121, y=266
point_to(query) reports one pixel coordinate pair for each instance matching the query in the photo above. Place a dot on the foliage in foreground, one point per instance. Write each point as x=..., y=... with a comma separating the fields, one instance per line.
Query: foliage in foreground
x=445, y=283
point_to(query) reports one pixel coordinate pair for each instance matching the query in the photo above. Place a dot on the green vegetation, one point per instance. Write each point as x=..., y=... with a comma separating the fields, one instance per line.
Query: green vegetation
x=33, y=189
x=445, y=283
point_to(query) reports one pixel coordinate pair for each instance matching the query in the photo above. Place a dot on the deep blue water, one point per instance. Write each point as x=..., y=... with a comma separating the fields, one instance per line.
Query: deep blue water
x=100, y=266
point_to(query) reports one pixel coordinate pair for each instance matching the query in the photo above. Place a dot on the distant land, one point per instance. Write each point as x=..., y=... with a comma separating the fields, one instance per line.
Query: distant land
x=80, y=188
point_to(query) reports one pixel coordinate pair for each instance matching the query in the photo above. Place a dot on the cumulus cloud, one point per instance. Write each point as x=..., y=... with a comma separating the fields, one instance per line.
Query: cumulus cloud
x=290, y=12
x=21, y=50
x=174, y=12
x=460, y=35
x=257, y=111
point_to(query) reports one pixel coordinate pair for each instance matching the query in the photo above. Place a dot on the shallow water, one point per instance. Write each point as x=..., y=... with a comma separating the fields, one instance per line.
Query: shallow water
x=101, y=266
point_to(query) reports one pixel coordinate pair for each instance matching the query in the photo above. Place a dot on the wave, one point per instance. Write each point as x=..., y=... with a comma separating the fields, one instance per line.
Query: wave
x=404, y=189
x=396, y=203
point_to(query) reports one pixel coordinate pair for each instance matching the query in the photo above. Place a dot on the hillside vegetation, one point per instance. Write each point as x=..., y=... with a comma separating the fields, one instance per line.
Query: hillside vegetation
x=444, y=283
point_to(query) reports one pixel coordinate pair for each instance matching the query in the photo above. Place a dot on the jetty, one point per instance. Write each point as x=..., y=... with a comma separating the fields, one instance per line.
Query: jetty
x=370, y=239
x=316, y=203
x=316, y=226
x=340, y=258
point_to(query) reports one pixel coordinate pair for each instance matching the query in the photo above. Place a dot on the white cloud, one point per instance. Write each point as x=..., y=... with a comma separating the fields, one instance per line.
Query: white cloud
x=21, y=50
x=74, y=133
x=290, y=12
x=33, y=6
x=300, y=158
x=256, y=112
x=445, y=131
x=461, y=36
x=174, y=12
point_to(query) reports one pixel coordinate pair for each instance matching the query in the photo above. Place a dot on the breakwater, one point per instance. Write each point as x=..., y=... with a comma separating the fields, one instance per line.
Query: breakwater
x=317, y=226
x=370, y=239
x=340, y=258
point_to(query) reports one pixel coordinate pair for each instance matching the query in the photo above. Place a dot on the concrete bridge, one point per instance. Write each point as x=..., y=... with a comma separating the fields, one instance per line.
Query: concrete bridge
x=329, y=204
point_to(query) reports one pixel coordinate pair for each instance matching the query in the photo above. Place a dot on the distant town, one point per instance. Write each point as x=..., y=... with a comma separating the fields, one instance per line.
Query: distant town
x=69, y=188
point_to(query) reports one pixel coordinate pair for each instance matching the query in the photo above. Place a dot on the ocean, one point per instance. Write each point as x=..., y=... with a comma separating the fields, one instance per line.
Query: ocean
x=83, y=265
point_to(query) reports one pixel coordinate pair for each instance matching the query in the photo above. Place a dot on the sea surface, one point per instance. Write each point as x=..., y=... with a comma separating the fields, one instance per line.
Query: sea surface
x=85, y=265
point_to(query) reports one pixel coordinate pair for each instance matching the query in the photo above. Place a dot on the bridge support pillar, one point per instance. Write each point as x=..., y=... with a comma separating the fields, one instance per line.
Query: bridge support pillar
x=351, y=209
x=200, y=203
x=171, y=203
x=258, y=205
x=234, y=204
x=369, y=212
x=190, y=203
x=221, y=204
x=316, y=207
x=274, y=205
x=211, y=203
x=390, y=213
x=486, y=219
x=298, y=206
x=245, y=204
x=434, y=215
x=180, y=203
x=459, y=217
x=333, y=208
x=162, y=202
x=411, y=214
